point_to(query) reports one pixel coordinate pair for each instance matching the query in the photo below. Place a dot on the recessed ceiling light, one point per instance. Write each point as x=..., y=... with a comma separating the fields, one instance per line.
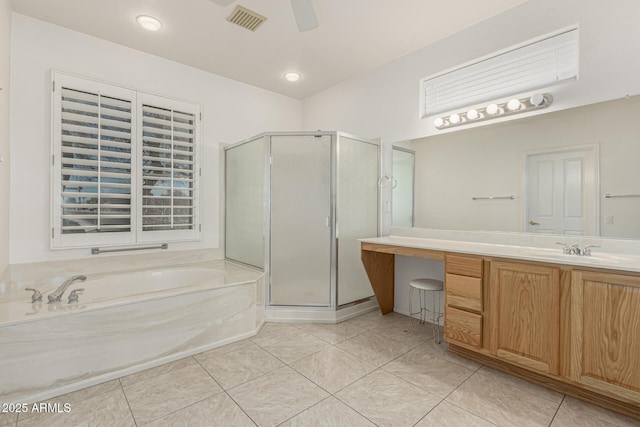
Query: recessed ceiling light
x=292, y=77
x=149, y=23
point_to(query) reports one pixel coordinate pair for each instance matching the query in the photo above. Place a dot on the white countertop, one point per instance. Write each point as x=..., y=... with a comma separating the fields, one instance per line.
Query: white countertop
x=613, y=261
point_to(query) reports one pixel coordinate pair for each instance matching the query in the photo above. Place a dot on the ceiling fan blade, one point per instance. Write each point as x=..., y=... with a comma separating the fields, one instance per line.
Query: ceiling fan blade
x=223, y=3
x=305, y=15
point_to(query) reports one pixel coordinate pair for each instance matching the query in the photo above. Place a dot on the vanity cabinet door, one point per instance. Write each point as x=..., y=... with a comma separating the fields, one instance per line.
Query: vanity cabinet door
x=605, y=332
x=525, y=314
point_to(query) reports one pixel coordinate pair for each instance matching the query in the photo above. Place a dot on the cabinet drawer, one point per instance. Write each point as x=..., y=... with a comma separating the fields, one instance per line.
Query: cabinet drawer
x=464, y=291
x=464, y=266
x=463, y=327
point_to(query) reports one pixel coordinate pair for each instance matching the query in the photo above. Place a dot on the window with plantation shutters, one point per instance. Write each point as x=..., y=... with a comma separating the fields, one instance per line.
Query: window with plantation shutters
x=124, y=165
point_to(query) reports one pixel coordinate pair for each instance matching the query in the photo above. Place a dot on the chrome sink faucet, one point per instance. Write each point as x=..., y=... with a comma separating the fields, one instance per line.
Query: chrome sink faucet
x=575, y=249
x=56, y=295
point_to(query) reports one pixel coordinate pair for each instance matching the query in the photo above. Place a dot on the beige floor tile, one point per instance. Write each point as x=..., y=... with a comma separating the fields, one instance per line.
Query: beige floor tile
x=239, y=366
x=157, y=371
x=107, y=409
x=8, y=419
x=446, y=414
x=502, y=402
x=543, y=392
x=272, y=330
x=217, y=411
x=333, y=369
x=164, y=394
x=442, y=351
x=574, y=412
x=224, y=349
x=433, y=374
x=332, y=333
x=374, y=348
x=293, y=345
x=369, y=320
x=398, y=330
x=277, y=396
x=387, y=400
x=328, y=413
x=77, y=396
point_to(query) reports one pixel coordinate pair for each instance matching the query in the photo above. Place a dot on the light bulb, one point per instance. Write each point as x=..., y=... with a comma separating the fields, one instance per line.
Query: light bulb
x=438, y=122
x=472, y=114
x=149, y=23
x=536, y=99
x=492, y=109
x=514, y=104
x=454, y=118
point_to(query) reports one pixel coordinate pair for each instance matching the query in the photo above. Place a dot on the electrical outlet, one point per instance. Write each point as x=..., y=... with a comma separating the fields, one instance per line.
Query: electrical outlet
x=608, y=219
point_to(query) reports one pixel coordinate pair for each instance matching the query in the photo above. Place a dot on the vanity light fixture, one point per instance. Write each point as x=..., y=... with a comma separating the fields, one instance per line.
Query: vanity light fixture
x=149, y=23
x=292, y=76
x=495, y=110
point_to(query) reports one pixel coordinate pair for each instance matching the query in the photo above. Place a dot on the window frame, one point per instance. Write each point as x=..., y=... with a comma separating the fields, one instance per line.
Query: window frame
x=60, y=240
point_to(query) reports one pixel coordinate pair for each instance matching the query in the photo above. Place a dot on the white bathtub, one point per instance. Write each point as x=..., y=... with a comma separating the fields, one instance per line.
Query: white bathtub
x=123, y=323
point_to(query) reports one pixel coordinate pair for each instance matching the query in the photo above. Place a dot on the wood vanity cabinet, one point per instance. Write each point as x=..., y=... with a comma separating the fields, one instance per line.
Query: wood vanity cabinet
x=463, y=300
x=605, y=332
x=573, y=329
x=524, y=320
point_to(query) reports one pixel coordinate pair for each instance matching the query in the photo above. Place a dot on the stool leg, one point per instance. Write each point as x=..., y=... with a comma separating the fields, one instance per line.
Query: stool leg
x=410, y=309
x=436, y=318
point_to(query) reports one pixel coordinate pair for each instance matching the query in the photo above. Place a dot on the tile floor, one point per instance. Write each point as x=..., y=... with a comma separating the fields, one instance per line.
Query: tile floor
x=367, y=371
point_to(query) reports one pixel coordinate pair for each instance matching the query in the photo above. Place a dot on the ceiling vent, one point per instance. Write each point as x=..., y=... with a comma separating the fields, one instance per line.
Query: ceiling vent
x=246, y=18
x=534, y=65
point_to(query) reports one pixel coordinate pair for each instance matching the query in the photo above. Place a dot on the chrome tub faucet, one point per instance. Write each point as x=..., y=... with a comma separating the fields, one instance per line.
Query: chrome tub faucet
x=56, y=295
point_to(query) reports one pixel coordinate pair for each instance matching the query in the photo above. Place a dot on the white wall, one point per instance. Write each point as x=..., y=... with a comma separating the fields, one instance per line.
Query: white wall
x=232, y=111
x=489, y=161
x=5, y=68
x=385, y=103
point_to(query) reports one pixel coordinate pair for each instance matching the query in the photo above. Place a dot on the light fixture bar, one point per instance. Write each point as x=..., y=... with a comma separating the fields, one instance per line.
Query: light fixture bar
x=495, y=110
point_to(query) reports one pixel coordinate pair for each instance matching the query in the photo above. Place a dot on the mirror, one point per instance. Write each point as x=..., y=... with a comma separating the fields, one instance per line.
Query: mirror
x=574, y=171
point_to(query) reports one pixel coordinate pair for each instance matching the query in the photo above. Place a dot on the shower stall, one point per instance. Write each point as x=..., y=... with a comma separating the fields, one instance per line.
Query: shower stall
x=296, y=204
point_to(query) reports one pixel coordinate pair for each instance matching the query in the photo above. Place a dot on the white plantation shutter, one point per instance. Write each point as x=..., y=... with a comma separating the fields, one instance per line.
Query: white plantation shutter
x=95, y=162
x=168, y=168
x=125, y=165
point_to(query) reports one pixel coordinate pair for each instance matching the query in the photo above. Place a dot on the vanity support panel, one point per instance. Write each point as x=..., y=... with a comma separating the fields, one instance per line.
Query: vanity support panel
x=380, y=268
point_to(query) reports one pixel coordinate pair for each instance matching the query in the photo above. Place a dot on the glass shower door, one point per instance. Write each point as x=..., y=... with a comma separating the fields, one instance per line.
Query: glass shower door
x=358, y=167
x=244, y=207
x=301, y=226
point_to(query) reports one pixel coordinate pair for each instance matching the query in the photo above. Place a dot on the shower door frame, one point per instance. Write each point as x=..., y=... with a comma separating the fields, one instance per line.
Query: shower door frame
x=333, y=223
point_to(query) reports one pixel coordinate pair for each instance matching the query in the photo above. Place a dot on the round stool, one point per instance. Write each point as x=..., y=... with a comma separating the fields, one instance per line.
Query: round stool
x=423, y=286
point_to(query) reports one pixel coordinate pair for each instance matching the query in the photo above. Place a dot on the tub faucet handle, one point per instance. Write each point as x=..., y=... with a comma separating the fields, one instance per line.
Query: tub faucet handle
x=73, y=296
x=36, y=297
